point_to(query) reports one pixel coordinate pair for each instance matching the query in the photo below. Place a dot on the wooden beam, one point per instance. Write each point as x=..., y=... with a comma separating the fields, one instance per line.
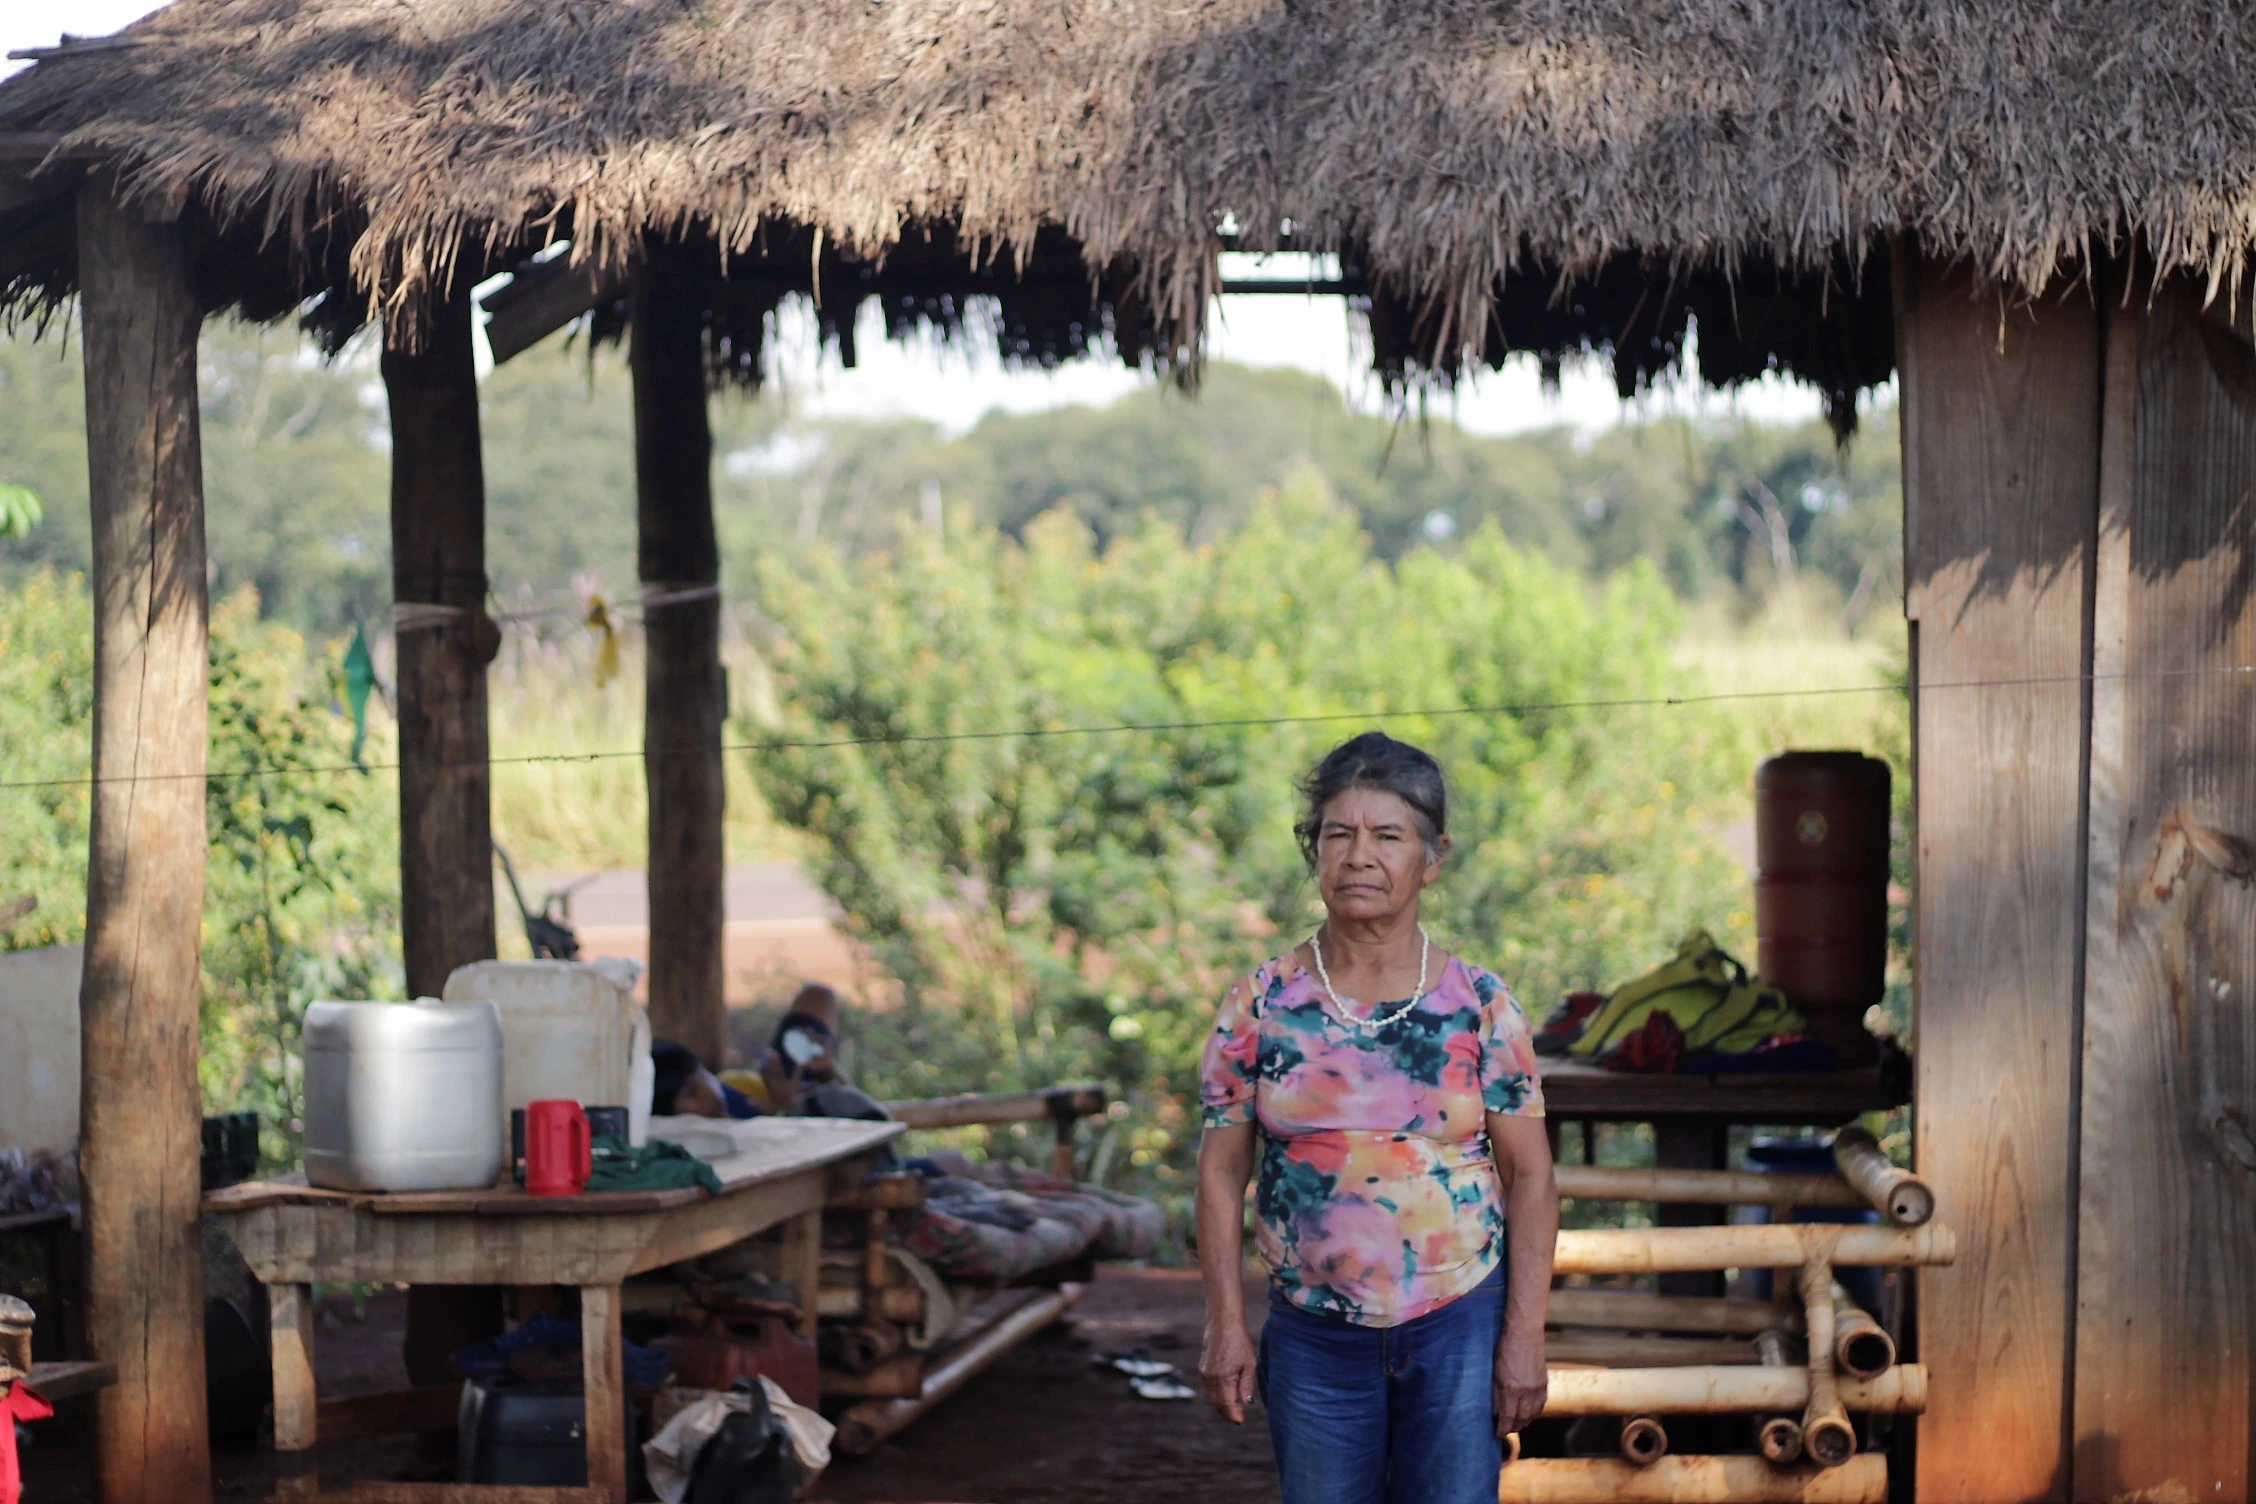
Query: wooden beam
x=426, y=1407
x=2167, y=1232
x=27, y=148
x=1079, y=1100
x=69, y=1380
x=1999, y=413
x=141, y=1134
x=439, y=559
x=44, y=241
x=541, y=299
x=678, y=557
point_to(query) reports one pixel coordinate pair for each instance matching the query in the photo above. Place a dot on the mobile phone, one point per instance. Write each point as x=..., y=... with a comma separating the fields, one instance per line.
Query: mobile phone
x=799, y=1047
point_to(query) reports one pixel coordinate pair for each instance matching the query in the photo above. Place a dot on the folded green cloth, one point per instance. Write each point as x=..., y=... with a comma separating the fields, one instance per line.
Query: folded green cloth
x=656, y=1166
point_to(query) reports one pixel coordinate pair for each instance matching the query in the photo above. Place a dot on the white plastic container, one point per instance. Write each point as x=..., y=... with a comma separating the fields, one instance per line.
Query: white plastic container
x=403, y=1096
x=568, y=1030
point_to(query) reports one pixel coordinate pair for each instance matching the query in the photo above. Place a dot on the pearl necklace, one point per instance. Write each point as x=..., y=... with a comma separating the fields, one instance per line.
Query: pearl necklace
x=1339, y=1004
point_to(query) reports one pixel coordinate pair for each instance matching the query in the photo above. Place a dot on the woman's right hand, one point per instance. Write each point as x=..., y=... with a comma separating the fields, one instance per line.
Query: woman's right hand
x=1226, y=1369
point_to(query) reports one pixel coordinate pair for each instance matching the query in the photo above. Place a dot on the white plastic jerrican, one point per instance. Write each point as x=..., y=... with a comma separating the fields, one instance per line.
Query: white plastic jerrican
x=403, y=1096
x=568, y=1031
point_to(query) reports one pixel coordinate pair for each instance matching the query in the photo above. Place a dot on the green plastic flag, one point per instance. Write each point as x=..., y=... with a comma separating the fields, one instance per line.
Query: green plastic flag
x=360, y=678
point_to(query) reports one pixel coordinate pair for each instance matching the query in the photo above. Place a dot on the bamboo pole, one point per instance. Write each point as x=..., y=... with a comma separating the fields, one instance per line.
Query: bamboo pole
x=1720, y=1390
x=1624, y=1350
x=1777, y=1437
x=1704, y=1187
x=1641, y=1311
x=1902, y=1197
x=1690, y=1480
x=1644, y=1440
x=1862, y=1348
x=865, y=1425
x=1827, y=1437
x=138, y=995
x=1779, y=1245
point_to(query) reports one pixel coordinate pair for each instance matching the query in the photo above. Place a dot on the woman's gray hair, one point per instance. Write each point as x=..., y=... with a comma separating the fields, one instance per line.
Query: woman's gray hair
x=1375, y=760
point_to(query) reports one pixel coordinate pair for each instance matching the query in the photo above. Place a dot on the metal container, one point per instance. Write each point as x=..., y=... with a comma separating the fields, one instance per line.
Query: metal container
x=403, y=1096
x=1821, y=893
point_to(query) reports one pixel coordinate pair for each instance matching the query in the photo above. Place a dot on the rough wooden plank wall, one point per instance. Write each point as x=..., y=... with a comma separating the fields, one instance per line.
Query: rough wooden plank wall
x=141, y=1137
x=2167, y=1251
x=2000, y=435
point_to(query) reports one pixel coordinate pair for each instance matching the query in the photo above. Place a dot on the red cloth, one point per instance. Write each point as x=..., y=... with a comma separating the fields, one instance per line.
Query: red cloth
x=20, y=1403
x=1655, y=1048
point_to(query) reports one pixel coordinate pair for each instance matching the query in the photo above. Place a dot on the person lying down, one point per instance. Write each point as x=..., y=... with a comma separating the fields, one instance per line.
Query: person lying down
x=798, y=1073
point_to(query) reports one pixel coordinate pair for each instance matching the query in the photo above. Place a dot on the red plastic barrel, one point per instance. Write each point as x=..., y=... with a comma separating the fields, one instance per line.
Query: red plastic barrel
x=1821, y=890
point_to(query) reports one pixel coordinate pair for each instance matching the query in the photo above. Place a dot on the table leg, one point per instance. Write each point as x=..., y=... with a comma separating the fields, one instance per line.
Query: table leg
x=802, y=1264
x=1689, y=1143
x=602, y=1355
x=296, y=1400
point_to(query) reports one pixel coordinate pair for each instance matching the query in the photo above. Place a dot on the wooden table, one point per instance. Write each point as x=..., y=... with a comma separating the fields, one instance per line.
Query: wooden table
x=294, y=1236
x=1692, y=1116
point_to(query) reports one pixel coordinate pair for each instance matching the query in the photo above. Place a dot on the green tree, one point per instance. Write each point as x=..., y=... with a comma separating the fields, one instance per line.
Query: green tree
x=300, y=891
x=1063, y=903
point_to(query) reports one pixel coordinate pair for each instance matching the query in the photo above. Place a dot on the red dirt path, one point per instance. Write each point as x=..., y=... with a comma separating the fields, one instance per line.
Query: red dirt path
x=1044, y=1423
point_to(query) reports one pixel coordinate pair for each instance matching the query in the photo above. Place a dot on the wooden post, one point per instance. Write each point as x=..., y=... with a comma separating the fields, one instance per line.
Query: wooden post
x=801, y=1263
x=296, y=1397
x=2000, y=439
x=141, y=1116
x=445, y=642
x=683, y=692
x=1690, y=1144
x=2166, y=1307
x=439, y=560
x=604, y=1388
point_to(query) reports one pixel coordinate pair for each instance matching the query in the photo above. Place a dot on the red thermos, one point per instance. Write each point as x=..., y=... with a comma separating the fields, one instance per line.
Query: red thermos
x=559, y=1151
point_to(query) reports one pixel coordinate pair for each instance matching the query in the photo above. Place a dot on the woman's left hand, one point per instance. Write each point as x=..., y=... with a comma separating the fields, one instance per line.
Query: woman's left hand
x=1522, y=1382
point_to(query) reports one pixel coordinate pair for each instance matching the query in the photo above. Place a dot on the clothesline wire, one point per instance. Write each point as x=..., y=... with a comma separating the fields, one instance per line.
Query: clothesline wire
x=1125, y=728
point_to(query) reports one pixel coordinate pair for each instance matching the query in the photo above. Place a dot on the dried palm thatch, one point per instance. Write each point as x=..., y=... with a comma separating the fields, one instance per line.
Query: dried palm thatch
x=1496, y=174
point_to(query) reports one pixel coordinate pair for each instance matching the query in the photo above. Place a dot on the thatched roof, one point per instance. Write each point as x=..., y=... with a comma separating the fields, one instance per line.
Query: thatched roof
x=1468, y=158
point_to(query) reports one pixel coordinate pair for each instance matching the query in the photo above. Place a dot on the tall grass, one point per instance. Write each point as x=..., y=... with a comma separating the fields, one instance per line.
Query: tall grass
x=568, y=790
x=1809, y=684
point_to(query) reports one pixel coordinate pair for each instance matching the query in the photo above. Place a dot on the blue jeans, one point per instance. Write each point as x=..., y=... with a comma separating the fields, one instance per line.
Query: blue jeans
x=1385, y=1415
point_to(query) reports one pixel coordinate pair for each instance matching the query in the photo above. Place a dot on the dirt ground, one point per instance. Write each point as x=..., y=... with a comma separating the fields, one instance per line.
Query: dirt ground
x=1045, y=1422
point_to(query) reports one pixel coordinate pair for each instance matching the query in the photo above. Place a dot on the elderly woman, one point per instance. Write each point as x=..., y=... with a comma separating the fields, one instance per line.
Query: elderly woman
x=1406, y=1207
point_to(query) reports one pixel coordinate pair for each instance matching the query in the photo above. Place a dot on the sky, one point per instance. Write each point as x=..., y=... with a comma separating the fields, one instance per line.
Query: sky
x=955, y=386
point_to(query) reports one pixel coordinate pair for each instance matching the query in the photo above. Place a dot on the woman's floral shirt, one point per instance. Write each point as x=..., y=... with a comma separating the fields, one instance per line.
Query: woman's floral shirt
x=1377, y=1198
